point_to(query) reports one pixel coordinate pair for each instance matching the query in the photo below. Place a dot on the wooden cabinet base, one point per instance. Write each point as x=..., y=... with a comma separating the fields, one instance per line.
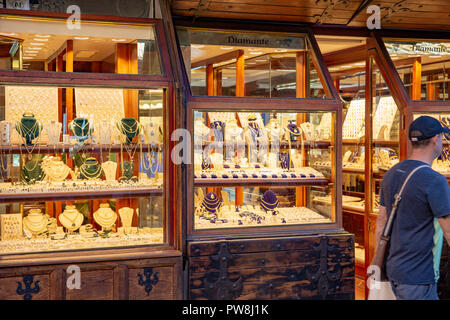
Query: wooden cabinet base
x=307, y=267
x=140, y=279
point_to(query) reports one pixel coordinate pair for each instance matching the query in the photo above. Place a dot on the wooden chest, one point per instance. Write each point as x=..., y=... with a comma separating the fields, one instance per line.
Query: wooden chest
x=307, y=267
x=137, y=279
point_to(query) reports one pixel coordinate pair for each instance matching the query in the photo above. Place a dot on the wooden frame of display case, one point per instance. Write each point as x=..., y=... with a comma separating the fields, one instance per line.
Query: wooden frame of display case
x=291, y=105
x=257, y=251
x=110, y=272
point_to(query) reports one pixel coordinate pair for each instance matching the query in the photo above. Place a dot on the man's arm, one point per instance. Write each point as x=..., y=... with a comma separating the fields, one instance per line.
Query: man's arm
x=445, y=225
x=381, y=222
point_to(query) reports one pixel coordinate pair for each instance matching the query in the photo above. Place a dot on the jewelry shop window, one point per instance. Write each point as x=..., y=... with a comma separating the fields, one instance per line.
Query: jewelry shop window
x=254, y=169
x=81, y=168
x=220, y=63
x=96, y=47
x=423, y=66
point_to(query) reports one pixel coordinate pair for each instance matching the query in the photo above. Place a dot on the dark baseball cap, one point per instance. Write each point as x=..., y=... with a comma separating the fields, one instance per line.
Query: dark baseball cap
x=425, y=127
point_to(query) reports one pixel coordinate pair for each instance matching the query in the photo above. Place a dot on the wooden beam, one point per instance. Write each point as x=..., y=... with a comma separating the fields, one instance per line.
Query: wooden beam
x=301, y=74
x=210, y=79
x=431, y=88
x=240, y=75
x=416, y=90
x=217, y=59
x=69, y=91
x=240, y=92
x=321, y=78
x=218, y=82
x=337, y=83
x=301, y=67
x=353, y=54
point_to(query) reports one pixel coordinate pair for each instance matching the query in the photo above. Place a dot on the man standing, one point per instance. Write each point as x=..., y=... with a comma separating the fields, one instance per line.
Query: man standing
x=422, y=217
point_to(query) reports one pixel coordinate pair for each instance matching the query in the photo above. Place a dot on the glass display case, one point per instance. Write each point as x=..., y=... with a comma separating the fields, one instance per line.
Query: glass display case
x=371, y=146
x=263, y=168
x=230, y=63
x=83, y=175
x=422, y=65
x=94, y=47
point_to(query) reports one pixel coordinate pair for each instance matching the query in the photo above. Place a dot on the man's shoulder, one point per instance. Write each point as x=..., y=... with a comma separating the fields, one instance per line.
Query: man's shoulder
x=406, y=166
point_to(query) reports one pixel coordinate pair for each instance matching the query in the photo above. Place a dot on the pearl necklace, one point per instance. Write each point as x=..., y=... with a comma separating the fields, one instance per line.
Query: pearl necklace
x=105, y=216
x=55, y=169
x=35, y=222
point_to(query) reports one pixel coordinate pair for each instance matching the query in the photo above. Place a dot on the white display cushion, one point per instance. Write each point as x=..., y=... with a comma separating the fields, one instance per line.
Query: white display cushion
x=42, y=102
x=354, y=120
x=100, y=103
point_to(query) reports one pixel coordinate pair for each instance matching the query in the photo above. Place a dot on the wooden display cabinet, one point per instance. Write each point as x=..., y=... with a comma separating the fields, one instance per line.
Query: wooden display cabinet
x=292, y=261
x=151, y=271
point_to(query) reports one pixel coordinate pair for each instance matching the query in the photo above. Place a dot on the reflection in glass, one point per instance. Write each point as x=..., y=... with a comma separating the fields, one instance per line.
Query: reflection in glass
x=273, y=66
x=429, y=56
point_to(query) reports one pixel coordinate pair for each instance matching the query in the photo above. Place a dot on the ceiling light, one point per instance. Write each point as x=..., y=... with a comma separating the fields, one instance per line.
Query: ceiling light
x=85, y=53
x=259, y=52
x=8, y=34
x=227, y=48
x=35, y=48
x=38, y=39
x=81, y=38
x=28, y=58
x=42, y=35
x=36, y=44
x=435, y=57
x=30, y=51
x=260, y=60
x=119, y=40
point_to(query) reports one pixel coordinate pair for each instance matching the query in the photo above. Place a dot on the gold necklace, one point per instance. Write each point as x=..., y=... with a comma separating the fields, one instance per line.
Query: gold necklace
x=90, y=176
x=130, y=127
x=29, y=150
x=38, y=225
x=105, y=216
x=77, y=214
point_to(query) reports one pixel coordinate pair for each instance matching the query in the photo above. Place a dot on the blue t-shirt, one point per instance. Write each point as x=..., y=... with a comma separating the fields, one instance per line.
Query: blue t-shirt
x=416, y=237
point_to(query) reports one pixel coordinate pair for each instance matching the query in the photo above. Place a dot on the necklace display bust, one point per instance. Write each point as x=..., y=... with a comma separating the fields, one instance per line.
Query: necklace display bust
x=71, y=218
x=35, y=222
x=55, y=169
x=105, y=216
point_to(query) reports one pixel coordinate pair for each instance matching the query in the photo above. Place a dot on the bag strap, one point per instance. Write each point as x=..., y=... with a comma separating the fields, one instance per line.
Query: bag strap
x=398, y=197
